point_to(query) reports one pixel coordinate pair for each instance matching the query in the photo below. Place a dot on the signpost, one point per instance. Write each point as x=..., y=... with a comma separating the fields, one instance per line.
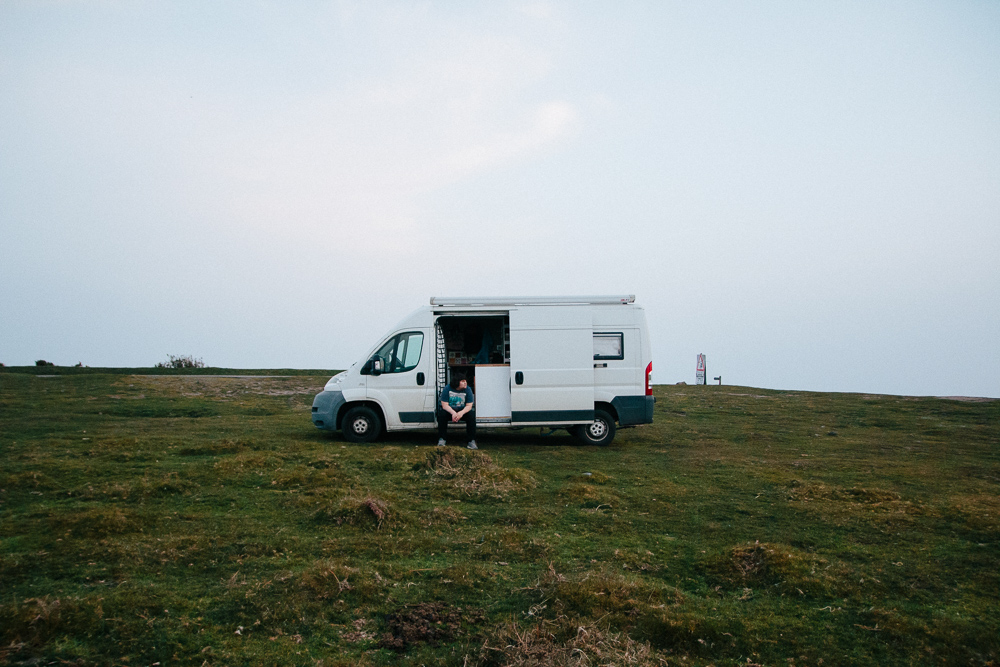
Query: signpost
x=701, y=374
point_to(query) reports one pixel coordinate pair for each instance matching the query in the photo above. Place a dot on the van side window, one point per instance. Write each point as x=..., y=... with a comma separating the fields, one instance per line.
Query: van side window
x=401, y=353
x=609, y=345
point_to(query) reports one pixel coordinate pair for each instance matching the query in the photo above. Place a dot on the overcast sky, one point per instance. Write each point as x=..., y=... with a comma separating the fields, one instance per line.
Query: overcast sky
x=806, y=192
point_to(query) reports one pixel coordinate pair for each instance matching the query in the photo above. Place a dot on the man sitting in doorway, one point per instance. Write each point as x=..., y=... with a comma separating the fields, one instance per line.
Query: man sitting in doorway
x=457, y=404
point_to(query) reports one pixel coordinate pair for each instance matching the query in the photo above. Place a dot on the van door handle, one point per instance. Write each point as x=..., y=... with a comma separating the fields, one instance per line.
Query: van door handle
x=519, y=377
x=420, y=379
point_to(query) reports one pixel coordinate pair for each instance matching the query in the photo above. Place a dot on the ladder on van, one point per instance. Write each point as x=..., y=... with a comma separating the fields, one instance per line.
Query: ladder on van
x=441, y=356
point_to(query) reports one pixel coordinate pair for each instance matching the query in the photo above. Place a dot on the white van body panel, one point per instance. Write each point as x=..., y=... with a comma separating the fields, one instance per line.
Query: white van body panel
x=614, y=377
x=551, y=364
x=563, y=358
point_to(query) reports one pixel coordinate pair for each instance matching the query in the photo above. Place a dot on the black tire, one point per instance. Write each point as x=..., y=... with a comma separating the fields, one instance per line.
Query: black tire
x=600, y=432
x=361, y=424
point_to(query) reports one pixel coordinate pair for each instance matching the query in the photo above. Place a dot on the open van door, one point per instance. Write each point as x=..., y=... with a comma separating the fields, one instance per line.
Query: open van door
x=551, y=365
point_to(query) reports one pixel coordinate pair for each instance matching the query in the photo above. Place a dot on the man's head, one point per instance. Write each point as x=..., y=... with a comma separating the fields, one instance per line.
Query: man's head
x=458, y=381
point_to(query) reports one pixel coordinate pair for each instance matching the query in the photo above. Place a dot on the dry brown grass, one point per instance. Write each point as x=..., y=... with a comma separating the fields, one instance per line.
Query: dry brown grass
x=218, y=387
x=591, y=496
x=94, y=522
x=365, y=511
x=475, y=473
x=602, y=592
x=981, y=511
x=442, y=515
x=539, y=645
x=324, y=580
x=819, y=491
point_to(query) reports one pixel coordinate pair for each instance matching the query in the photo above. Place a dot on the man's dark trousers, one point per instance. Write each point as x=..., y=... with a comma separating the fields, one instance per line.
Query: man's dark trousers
x=444, y=418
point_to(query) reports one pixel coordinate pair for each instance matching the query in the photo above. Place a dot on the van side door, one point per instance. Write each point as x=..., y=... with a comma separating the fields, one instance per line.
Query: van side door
x=551, y=365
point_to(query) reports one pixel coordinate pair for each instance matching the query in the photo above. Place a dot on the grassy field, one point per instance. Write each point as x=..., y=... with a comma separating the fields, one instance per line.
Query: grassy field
x=190, y=519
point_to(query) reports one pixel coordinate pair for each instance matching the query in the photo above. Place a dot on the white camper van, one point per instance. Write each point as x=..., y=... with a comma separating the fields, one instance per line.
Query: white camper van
x=577, y=362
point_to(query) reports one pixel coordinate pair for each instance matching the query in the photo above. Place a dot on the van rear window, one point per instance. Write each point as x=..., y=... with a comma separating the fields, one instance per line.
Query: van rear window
x=609, y=345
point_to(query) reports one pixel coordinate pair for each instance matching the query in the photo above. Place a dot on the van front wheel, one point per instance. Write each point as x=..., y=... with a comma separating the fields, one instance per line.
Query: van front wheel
x=361, y=424
x=600, y=432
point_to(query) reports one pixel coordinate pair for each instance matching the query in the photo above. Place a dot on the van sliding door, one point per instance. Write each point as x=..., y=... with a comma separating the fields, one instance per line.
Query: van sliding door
x=551, y=365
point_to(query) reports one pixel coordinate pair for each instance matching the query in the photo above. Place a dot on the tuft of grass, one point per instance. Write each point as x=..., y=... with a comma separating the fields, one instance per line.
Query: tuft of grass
x=475, y=473
x=604, y=593
x=95, y=522
x=543, y=645
x=366, y=511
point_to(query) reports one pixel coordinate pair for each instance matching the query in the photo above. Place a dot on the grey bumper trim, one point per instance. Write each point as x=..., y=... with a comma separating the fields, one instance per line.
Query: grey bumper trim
x=325, y=407
x=634, y=409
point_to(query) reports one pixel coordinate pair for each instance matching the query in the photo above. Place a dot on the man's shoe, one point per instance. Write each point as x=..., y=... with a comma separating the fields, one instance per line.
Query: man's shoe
x=472, y=444
x=441, y=442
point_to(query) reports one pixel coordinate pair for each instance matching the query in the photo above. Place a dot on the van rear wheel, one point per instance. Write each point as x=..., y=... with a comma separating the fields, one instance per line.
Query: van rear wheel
x=600, y=432
x=361, y=424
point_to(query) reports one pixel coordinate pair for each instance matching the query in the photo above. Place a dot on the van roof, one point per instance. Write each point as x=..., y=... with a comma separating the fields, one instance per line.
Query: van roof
x=622, y=299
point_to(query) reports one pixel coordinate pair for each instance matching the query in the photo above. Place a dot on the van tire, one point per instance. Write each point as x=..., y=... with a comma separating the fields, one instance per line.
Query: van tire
x=361, y=424
x=600, y=432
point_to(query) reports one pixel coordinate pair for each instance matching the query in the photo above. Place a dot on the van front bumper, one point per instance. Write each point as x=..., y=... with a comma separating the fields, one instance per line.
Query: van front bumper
x=326, y=405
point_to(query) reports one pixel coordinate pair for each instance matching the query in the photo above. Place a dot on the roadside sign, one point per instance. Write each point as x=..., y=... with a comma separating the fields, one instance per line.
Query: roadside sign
x=701, y=375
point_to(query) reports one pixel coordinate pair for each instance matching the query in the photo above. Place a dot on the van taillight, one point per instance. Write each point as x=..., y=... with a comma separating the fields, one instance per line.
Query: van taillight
x=649, y=375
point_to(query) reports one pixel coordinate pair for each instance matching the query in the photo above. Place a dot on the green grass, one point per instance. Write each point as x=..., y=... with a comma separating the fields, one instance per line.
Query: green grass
x=188, y=519
x=155, y=370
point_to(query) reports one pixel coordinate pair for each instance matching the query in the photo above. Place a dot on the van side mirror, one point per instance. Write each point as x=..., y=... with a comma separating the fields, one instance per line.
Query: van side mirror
x=372, y=367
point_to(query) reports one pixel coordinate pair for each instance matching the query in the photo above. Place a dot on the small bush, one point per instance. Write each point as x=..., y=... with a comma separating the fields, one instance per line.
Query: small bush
x=42, y=362
x=180, y=362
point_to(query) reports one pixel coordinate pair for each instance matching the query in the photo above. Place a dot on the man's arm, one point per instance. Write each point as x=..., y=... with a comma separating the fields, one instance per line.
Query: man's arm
x=470, y=401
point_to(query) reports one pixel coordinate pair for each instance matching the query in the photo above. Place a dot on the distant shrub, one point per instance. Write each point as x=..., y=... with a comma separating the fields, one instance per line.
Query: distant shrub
x=42, y=362
x=181, y=362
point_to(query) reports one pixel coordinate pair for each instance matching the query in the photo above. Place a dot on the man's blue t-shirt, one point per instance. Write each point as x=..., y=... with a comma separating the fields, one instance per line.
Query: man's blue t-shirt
x=457, y=399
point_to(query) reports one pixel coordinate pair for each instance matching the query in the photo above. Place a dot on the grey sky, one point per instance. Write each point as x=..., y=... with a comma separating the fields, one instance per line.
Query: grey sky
x=808, y=193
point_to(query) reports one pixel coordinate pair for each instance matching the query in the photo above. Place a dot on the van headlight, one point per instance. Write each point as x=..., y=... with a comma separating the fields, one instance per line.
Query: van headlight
x=333, y=384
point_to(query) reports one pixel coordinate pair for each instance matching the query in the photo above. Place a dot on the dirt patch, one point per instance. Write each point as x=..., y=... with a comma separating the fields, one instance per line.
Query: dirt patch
x=802, y=491
x=431, y=623
x=223, y=386
x=969, y=399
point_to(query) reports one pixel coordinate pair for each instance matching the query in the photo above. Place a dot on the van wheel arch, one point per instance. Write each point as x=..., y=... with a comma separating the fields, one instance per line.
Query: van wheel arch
x=371, y=405
x=607, y=407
